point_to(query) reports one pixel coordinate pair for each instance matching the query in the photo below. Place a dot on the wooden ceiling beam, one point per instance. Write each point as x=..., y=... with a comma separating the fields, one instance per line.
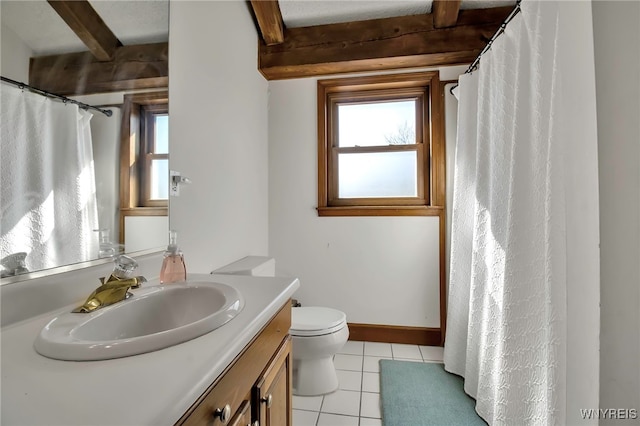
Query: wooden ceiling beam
x=141, y=66
x=389, y=43
x=83, y=19
x=269, y=19
x=445, y=13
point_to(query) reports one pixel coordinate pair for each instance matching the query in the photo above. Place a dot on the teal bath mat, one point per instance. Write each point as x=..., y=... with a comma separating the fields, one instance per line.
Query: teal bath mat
x=424, y=394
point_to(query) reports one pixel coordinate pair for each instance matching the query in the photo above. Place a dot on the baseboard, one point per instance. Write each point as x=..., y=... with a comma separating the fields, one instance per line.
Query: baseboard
x=395, y=334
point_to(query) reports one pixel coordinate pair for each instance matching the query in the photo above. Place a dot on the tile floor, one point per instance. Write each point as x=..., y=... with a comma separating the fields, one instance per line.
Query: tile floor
x=357, y=401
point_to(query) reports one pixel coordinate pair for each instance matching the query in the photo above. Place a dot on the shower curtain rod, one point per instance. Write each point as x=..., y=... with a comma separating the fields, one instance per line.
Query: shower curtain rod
x=64, y=99
x=498, y=33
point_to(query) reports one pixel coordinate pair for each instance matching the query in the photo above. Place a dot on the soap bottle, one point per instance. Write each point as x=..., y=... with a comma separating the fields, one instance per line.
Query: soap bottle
x=173, y=267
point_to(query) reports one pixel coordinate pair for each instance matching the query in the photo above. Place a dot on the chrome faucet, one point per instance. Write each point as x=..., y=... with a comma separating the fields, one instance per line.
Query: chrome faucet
x=115, y=288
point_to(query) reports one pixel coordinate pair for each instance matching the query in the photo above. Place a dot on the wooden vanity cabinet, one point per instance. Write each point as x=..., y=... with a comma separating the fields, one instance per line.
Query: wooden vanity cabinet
x=255, y=389
x=272, y=395
x=243, y=416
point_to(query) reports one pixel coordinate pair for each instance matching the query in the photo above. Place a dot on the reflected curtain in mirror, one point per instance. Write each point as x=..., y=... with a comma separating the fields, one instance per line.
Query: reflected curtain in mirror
x=48, y=196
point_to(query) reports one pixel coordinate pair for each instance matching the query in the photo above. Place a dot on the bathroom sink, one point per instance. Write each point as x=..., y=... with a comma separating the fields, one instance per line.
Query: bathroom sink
x=154, y=318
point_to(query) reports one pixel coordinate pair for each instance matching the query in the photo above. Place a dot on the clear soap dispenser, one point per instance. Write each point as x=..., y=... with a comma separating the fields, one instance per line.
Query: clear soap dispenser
x=173, y=267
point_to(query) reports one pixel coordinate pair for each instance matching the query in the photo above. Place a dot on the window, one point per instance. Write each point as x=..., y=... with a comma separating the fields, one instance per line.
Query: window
x=380, y=145
x=154, y=152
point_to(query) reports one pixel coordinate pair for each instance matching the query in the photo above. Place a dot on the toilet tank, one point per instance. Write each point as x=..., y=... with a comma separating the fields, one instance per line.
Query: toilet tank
x=257, y=266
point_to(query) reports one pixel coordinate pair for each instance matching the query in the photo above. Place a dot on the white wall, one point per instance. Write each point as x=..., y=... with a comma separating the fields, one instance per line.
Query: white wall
x=14, y=56
x=146, y=232
x=378, y=270
x=218, y=133
x=616, y=26
x=576, y=59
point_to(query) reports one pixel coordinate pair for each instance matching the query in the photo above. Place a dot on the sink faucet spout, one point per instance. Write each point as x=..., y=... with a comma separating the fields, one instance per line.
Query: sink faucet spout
x=114, y=289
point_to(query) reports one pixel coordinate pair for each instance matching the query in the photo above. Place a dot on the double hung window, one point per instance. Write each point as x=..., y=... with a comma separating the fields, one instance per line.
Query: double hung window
x=375, y=144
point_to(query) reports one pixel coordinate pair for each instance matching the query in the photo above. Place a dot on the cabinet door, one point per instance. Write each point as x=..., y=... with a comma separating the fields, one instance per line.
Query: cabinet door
x=243, y=416
x=272, y=394
x=237, y=383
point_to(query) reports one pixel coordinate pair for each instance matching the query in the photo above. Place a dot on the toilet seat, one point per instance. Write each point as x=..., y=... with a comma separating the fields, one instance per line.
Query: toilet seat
x=316, y=321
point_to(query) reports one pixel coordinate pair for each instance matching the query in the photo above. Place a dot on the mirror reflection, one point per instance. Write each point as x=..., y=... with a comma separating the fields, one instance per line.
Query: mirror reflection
x=78, y=184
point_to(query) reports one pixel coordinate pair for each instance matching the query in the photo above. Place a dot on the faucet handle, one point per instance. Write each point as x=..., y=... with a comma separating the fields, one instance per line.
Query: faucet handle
x=14, y=263
x=124, y=266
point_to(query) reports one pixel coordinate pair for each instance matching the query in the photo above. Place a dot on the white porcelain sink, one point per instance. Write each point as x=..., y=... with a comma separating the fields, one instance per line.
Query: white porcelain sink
x=153, y=318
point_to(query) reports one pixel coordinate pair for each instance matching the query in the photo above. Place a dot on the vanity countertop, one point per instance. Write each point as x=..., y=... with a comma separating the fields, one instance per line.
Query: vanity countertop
x=155, y=388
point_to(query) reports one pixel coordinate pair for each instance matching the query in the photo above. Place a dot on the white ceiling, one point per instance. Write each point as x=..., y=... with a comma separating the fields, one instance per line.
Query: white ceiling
x=147, y=21
x=302, y=13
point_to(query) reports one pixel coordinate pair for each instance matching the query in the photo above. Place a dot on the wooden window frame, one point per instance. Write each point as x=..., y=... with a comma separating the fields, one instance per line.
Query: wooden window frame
x=148, y=154
x=422, y=86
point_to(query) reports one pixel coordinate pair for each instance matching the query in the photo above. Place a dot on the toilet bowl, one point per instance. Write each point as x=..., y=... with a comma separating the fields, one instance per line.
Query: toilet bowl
x=317, y=334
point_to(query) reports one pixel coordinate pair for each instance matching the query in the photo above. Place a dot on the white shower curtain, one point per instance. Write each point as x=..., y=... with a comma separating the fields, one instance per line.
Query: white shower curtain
x=507, y=300
x=47, y=199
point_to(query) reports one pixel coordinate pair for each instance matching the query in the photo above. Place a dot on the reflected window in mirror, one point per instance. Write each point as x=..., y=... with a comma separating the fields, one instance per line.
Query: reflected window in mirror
x=154, y=183
x=144, y=165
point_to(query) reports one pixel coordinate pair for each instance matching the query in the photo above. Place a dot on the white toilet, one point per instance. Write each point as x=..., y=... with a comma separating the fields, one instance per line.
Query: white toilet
x=317, y=333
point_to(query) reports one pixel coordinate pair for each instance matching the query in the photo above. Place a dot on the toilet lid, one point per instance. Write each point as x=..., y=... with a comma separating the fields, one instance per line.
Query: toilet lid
x=314, y=320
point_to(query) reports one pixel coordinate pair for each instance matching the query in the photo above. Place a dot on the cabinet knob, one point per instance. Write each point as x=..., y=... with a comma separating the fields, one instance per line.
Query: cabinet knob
x=268, y=400
x=224, y=414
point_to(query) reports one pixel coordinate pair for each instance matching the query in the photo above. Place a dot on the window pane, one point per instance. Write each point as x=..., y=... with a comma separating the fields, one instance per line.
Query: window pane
x=376, y=124
x=380, y=174
x=159, y=179
x=162, y=134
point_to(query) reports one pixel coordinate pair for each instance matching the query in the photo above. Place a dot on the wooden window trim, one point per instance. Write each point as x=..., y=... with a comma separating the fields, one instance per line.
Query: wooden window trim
x=422, y=86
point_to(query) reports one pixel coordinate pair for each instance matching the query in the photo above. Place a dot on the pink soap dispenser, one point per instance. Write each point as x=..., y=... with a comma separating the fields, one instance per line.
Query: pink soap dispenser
x=173, y=267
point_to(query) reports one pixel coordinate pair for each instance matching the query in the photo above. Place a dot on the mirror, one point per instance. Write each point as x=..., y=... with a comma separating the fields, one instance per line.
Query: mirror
x=78, y=185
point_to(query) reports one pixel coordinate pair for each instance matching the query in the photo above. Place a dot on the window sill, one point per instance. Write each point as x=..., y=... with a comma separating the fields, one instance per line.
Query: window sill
x=145, y=211
x=380, y=211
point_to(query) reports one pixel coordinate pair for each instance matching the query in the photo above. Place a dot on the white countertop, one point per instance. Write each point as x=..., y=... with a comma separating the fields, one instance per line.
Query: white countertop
x=156, y=388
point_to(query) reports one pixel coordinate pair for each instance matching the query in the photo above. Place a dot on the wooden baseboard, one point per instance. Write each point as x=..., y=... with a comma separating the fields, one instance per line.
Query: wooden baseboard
x=395, y=334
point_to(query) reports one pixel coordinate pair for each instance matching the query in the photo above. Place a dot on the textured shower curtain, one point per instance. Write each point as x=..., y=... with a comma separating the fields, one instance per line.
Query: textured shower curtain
x=47, y=198
x=507, y=300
